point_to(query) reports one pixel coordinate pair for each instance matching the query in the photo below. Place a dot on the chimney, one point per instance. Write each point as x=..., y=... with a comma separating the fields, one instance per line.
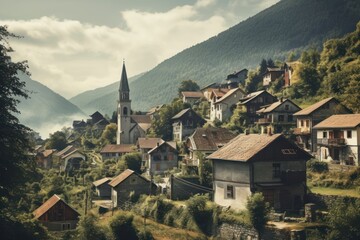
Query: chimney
x=157, y=144
x=281, y=99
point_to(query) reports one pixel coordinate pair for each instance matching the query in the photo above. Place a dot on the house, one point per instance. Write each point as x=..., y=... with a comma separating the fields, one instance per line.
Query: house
x=205, y=141
x=129, y=182
x=129, y=127
x=271, y=74
x=278, y=116
x=102, y=187
x=44, y=158
x=144, y=145
x=338, y=139
x=154, y=111
x=307, y=118
x=70, y=158
x=270, y=164
x=116, y=150
x=184, y=124
x=221, y=108
x=191, y=97
x=253, y=102
x=79, y=125
x=96, y=117
x=236, y=78
x=163, y=157
x=207, y=90
x=56, y=215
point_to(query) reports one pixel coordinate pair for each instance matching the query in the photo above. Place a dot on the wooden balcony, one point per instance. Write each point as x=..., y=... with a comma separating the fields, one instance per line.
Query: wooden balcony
x=301, y=131
x=331, y=141
x=264, y=121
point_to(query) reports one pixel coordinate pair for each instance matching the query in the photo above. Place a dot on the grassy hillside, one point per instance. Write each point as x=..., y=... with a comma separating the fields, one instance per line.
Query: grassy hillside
x=46, y=110
x=287, y=26
x=100, y=99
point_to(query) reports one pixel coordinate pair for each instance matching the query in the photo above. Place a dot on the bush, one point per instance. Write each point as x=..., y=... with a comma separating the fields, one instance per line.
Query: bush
x=88, y=230
x=145, y=235
x=317, y=166
x=122, y=227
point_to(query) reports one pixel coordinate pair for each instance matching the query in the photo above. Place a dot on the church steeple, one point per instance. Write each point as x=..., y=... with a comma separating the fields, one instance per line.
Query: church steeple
x=124, y=89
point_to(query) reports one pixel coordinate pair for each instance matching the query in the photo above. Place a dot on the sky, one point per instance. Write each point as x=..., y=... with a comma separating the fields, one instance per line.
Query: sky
x=77, y=45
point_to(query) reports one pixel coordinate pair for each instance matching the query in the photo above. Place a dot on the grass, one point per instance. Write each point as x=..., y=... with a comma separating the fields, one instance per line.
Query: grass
x=351, y=192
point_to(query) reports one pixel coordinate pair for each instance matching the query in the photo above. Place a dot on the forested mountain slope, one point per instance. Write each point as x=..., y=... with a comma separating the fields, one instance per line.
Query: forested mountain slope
x=287, y=26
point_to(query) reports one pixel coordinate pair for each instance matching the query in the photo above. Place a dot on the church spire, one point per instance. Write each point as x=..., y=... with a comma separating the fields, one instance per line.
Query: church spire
x=124, y=85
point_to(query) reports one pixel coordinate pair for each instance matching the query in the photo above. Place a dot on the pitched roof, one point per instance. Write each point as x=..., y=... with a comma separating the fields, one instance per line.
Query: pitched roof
x=118, y=148
x=70, y=153
x=48, y=152
x=314, y=107
x=171, y=144
x=123, y=176
x=148, y=143
x=101, y=181
x=96, y=114
x=219, y=92
x=192, y=94
x=244, y=147
x=154, y=109
x=141, y=118
x=251, y=96
x=276, y=69
x=210, y=138
x=340, y=121
x=273, y=106
x=49, y=204
x=181, y=113
x=65, y=151
x=229, y=93
x=124, y=85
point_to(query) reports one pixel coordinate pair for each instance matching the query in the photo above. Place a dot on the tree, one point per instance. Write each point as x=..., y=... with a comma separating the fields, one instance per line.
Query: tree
x=352, y=94
x=109, y=134
x=188, y=85
x=133, y=161
x=57, y=141
x=88, y=230
x=122, y=227
x=15, y=167
x=258, y=211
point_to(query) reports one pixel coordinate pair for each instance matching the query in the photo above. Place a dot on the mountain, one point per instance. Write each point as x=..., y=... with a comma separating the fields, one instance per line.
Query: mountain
x=288, y=26
x=46, y=111
x=102, y=99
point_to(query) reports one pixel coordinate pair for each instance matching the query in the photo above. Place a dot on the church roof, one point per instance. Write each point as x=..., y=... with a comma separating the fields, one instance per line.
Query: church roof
x=124, y=85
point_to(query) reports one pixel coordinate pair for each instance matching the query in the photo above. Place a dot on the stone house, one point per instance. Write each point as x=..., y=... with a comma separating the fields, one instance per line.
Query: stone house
x=338, y=139
x=102, y=187
x=129, y=182
x=278, y=116
x=163, y=157
x=255, y=101
x=205, y=141
x=56, y=215
x=270, y=164
x=307, y=118
x=191, y=97
x=222, y=108
x=271, y=75
x=144, y=145
x=116, y=150
x=70, y=158
x=184, y=124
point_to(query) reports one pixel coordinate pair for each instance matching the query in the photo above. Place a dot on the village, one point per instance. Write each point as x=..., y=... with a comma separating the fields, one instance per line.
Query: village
x=202, y=151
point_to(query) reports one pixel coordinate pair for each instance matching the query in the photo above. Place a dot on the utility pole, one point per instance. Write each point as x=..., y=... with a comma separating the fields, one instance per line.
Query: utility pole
x=86, y=201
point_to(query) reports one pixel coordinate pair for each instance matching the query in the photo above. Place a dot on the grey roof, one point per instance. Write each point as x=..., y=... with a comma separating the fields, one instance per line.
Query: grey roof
x=124, y=85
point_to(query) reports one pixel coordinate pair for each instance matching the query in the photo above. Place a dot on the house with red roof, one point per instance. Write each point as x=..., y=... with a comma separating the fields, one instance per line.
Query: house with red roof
x=57, y=215
x=191, y=97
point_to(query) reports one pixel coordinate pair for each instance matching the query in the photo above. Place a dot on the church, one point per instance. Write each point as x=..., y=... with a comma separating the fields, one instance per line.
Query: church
x=129, y=127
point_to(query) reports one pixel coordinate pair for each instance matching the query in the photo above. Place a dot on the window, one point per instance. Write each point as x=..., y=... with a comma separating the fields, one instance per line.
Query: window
x=349, y=134
x=302, y=123
x=286, y=107
x=276, y=170
x=290, y=118
x=230, y=191
x=66, y=226
x=307, y=123
x=281, y=118
x=125, y=111
x=324, y=134
x=288, y=151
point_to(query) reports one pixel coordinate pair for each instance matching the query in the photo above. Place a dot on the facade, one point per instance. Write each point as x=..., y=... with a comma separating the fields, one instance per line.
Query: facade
x=338, y=139
x=236, y=78
x=102, y=187
x=278, y=116
x=56, y=215
x=129, y=182
x=144, y=145
x=44, y=158
x=221, y=108
x=70, y=158
x=254, y=102
x=184, y=124
x=307, y=118
x=162, y=158
x=129, y=127
x=116, y=150
x=191, y=97
x=270, y=164
x=271, y=75
x=205, y=141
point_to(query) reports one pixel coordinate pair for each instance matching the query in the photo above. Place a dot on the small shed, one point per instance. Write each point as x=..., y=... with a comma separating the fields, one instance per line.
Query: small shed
x=102, y=187
x=57, y=215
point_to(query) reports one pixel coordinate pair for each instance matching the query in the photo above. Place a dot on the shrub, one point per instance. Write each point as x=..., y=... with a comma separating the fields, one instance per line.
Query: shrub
x=145, y=235
x=317, y=166
x=88, y=230
x=122, y=227
x=258, y=211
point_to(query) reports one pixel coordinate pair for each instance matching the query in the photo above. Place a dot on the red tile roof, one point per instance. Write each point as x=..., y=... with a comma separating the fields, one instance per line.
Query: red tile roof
x=189, y=94
x=148, y=142
x=118, y=148
x=49, y=204
x=210, y=139
x=101, y=181
x=123, y=176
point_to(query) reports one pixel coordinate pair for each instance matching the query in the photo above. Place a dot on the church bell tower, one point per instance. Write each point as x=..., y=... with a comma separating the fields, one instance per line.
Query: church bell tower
x=123, y=110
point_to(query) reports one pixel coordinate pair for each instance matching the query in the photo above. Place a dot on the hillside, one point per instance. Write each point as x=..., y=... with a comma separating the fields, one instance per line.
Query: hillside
x=287, y=26
x=46, y=111
x=101, y=99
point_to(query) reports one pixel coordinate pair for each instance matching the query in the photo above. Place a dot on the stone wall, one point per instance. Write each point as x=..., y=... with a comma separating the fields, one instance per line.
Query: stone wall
x=325, y=201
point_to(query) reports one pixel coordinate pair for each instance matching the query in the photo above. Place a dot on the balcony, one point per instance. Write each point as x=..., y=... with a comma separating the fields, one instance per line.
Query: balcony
x=264, y=121
x=289, y=177
x=331, y=141
x=301, y=131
